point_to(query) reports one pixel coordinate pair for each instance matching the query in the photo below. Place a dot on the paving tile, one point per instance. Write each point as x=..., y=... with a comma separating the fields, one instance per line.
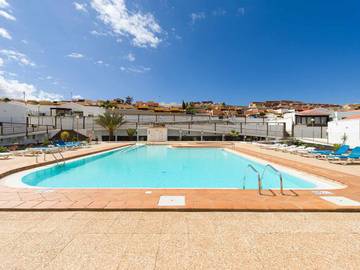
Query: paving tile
x=91, y=251
x=151, y=223
x=137, y=262
x=144, y=244
x=15, y=226
x=11, y=204
x=97, y=226
x=174, y=223
x=28, y=204
x=33, y=250
x=173, y=252
x=98, y=204
x=45, y=205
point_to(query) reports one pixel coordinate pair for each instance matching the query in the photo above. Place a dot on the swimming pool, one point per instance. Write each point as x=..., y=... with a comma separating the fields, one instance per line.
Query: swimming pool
x=162, y=167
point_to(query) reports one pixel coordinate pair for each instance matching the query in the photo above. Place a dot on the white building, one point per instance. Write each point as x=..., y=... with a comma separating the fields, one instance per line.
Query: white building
x=350, y=127
x=14, y=112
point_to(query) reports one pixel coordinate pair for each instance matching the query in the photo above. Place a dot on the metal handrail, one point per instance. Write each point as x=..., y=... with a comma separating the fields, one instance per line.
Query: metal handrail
x=56, y=159
x=258, y=175
x=278, y=173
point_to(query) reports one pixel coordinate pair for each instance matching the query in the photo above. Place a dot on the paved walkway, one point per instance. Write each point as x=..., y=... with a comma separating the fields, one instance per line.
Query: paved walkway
x=179, y=240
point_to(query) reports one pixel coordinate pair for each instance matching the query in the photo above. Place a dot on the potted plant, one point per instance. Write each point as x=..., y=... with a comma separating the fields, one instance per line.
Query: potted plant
x=234, y=134
x=64, y=136
x=131, y=132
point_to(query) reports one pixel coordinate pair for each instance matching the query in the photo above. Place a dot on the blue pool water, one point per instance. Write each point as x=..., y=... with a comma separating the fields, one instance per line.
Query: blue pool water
x=160, y=167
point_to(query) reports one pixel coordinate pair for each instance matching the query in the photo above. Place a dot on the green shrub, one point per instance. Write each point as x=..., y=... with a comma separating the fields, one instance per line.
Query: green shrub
x=46, y=142
x=3, y=149
x=337, y=146
x=131, y=132
x=234, y=133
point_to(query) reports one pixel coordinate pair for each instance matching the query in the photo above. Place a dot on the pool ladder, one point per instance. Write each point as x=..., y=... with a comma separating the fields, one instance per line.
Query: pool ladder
x=131, y=147
x=261, y=177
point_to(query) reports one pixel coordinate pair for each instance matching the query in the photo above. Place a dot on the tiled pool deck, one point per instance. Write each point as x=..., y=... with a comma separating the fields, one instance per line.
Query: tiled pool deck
x=172, y=240
x=196, y=199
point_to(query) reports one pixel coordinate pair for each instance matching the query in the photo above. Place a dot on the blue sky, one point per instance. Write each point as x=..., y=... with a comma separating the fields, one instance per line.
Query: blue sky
x=169, y=51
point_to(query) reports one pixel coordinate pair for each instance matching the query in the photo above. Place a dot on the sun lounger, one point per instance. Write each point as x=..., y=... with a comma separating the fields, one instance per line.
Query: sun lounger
x=280, y=147
x=4, y=155
x=294, y=149
x=68, y=145
x=304, y=151
x=322, y=154
x=36, y=151
x=353, y=157
x=286, y=148
x=341, y=151
x=22, y=153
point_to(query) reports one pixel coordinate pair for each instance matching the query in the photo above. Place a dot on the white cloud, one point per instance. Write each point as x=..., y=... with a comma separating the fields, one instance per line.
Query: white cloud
x=97, y=33
x=15, y=89
x=142, y=28
x=219, y=12
x=75, y=55
x=197, y=17
x=80, y=7
x=4, y=33
x=4, y=4
x=139, y=69
x=18, y=57
x=24, y=41
x=77, y=97
x=1, y=62
x=7, y=16
x=130, y=57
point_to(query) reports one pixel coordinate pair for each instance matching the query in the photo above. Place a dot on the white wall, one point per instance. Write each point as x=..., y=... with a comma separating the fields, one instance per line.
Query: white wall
x=288, y=119
x=156, y=134
x=337, y=129
x=13, y=112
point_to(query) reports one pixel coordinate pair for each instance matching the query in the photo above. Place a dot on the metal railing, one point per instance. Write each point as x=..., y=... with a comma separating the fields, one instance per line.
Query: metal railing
x=11, y=128
x=258, y=176
x=278, y=173
x=57, y=159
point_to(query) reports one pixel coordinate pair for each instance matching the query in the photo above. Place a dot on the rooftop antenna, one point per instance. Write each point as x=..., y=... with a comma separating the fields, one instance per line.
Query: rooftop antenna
x=71, y=96
x=24, y=97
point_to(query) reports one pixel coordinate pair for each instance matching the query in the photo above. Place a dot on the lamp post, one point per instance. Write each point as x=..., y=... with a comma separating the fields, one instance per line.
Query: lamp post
x=313, y=128
x=77, y=127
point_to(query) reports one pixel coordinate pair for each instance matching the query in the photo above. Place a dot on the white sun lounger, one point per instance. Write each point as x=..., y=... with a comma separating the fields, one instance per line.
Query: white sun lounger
x=294, y=149
x=4, y=155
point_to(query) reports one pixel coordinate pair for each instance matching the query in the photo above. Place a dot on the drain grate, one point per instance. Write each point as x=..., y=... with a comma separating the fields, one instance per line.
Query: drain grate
x=339, y=200
x=171, y=201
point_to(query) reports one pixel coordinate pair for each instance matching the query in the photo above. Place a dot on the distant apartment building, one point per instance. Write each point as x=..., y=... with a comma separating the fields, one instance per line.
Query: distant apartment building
x=290, y=104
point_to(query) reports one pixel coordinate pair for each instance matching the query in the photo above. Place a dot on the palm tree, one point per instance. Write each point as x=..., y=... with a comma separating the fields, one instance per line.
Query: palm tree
x=110, y=120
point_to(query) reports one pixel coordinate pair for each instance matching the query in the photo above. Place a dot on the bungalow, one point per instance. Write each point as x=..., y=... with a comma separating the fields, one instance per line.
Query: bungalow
x=314, y=117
